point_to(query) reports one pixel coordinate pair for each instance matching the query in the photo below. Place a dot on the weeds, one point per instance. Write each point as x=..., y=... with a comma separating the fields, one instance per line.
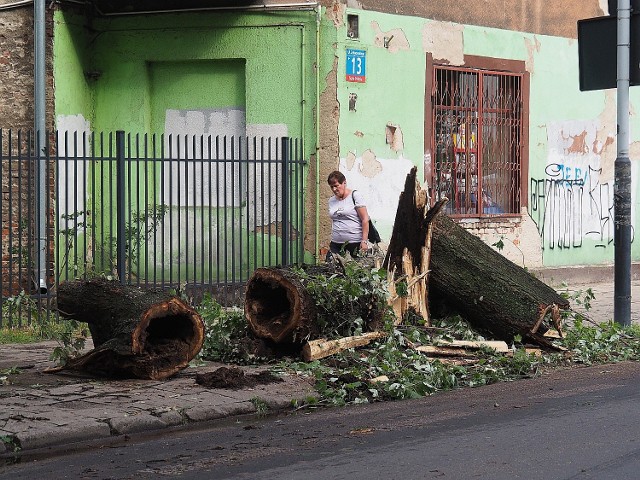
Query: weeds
x=28, y=322
x=11, y=443
x=261, y=406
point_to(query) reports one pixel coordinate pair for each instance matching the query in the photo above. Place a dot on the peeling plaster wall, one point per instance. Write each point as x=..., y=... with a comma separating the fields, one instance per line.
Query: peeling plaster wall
x=374, y=130
x=381, y=120
x=568, y=217
x=557, y=17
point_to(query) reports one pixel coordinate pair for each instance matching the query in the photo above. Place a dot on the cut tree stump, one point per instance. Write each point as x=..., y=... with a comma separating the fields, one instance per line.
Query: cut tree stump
x=137, y=333
x=469, y=277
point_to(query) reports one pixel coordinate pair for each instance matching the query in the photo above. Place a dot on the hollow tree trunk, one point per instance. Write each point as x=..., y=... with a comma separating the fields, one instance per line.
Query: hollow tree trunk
x=279, y=307
x=136, y=333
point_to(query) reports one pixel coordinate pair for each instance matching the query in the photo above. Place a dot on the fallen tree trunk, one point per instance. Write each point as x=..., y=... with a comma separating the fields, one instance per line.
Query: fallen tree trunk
x=136, y=333
x=469, y=277
x=279, y=304
x=488, y=290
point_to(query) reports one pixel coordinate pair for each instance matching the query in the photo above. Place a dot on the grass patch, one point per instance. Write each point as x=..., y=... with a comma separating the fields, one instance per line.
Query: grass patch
x=19, y=335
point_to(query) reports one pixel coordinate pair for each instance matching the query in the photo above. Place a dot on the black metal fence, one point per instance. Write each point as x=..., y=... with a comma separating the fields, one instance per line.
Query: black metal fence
x=194, y=213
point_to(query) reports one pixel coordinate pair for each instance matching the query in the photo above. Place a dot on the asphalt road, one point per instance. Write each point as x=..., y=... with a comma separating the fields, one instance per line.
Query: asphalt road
x=579, y=423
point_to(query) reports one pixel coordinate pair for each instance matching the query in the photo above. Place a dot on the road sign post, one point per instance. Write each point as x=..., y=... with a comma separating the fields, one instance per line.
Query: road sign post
x=600, y=40
x=622, y=172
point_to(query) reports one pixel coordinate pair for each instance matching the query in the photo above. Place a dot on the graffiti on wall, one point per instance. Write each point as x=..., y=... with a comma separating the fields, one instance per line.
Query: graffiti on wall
x=573, y=200
x=568, y=209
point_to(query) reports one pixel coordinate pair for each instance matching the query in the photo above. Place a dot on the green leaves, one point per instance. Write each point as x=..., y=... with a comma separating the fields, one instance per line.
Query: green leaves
x=226, y=334
x=347, y=303
x=71, y=336
x=604, y=342
x=346, y=378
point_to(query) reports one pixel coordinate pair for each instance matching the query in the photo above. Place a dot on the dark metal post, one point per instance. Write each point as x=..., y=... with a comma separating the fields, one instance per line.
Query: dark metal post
x=622, y=169
x=120, y=208
x=285, y=200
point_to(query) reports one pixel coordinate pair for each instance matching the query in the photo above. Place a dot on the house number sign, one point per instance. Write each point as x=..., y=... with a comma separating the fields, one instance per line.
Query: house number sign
x=356, y=65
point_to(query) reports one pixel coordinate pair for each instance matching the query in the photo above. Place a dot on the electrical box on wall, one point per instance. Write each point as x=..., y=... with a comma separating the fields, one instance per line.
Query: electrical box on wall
x=352, y=27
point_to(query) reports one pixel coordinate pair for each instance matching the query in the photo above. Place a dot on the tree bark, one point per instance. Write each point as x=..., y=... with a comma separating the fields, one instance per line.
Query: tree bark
x=465, y=275
x=491, y=292
x=136, y=333
x=279, y=307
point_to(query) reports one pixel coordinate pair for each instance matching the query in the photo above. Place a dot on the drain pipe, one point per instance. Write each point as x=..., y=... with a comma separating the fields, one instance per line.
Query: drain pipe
x=317, y=226
x=40, y=142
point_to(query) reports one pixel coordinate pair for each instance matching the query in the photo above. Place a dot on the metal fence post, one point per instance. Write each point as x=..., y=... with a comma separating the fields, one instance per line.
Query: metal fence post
x=120, y=208
x=285, y=200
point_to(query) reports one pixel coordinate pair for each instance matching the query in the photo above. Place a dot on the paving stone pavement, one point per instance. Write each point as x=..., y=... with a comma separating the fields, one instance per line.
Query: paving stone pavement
x=40, y=410
x=600, y=280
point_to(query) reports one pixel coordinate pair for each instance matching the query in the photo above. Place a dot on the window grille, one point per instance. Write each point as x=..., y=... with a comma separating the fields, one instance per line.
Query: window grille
x=477, y=121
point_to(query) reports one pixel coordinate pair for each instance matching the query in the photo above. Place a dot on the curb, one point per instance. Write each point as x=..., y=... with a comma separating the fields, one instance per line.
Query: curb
x=580, y=275
x=40, y=440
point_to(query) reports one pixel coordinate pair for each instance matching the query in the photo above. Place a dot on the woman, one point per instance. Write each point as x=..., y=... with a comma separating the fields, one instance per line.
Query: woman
x=350, y=220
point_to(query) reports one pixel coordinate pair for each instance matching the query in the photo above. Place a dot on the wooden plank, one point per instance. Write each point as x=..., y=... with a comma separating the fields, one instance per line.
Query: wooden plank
x=497, y=345
x=435, y=351
x=316, y=349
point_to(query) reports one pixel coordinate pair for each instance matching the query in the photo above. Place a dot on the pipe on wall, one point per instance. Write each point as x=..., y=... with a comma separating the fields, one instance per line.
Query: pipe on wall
x=317, y=149
x=39, y=55
x=264, y=7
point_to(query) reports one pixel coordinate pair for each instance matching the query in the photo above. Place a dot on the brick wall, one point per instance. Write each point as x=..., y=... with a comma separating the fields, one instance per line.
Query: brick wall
x=16, y=113
x=506, y=231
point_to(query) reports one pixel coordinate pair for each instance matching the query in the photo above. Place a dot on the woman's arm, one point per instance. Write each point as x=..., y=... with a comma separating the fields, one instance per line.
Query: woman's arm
x=364, y=221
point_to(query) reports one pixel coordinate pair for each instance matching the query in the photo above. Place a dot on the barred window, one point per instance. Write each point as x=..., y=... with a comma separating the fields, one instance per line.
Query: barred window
x=477, y=140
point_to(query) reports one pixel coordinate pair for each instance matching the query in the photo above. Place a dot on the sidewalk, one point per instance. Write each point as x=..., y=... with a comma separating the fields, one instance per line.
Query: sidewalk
x=39, y=410
x=42, y=411
x=600, y=280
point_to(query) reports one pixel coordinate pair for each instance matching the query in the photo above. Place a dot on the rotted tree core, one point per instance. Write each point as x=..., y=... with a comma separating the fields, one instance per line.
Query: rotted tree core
x=136, y=333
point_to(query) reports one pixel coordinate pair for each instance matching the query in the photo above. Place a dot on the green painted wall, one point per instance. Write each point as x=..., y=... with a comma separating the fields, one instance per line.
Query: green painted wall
x=244, y=69
x=165, y=62
x=74, y=92
x=278, y=50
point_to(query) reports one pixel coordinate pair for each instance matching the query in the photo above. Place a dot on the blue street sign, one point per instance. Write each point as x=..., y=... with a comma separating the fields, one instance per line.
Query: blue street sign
x=356, y=65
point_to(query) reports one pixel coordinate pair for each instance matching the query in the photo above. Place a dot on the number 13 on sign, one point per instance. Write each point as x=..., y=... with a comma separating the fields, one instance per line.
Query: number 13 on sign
x=356, y=65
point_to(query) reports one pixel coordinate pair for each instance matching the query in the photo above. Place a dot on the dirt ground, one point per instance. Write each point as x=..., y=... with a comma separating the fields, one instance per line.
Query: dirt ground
x=25, y=365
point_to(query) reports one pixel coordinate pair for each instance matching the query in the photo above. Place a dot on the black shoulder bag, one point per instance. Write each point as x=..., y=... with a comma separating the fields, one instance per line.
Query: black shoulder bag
x=374, y=236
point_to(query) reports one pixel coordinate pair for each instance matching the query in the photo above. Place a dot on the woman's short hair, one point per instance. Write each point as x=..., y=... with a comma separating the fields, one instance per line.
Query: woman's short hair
x=336, y=175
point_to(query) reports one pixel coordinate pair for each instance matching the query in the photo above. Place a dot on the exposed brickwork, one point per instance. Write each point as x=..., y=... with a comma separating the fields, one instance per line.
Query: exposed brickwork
x=509, y=227
x=16, y=113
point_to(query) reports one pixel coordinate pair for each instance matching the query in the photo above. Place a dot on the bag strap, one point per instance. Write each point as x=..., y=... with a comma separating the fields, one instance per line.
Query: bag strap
x=353, y=197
